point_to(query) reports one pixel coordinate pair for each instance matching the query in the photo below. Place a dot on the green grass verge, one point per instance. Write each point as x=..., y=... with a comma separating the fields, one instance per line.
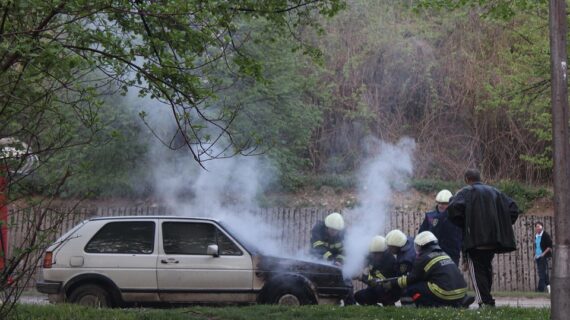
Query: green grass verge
x=61, y=312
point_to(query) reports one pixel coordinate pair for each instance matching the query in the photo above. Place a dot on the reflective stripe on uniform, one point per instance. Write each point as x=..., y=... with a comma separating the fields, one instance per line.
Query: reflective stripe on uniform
x=336, y=245
x=340, y=257
x=327, y=254
x=403, y=282
x=379, y=275
x=447, y=294
x=319, y=243
x=434, y=261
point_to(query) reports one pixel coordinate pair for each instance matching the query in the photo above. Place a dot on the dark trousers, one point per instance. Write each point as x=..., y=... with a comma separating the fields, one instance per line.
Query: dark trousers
x=377, y=294
x=423, y=297
x=542, y=268
x=481, y=274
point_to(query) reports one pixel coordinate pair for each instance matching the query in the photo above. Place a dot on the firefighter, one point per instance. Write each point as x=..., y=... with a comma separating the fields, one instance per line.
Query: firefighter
x=403, y=248
x=449, y=235
x=435, y=280
x=382, y=265
x=327, y=239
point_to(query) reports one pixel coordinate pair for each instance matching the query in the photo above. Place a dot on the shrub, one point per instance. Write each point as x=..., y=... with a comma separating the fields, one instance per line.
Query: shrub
x=523, y=194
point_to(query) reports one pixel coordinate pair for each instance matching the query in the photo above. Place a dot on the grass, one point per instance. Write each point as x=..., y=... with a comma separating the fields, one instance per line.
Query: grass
x=61, y=312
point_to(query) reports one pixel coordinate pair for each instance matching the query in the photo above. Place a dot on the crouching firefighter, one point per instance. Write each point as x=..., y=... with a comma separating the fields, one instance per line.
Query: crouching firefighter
x=327, y=239
x=402, y=247
x=382, y=265
x=435, y=280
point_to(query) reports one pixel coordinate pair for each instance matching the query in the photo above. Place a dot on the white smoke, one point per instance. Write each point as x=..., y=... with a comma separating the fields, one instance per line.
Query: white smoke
x=226, y=190
x=387, y=168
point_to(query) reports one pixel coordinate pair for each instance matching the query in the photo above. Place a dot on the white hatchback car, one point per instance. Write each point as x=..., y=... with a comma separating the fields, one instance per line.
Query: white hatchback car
x=117, y=261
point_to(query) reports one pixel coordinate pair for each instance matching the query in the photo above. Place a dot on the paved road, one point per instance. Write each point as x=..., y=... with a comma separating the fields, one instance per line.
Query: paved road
x=522, y=302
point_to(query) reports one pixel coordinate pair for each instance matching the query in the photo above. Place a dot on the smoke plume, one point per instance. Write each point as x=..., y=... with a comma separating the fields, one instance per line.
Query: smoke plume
x=387, y=168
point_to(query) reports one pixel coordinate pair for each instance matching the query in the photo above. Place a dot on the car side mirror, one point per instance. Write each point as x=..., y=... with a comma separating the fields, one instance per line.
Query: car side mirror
x=213, y=250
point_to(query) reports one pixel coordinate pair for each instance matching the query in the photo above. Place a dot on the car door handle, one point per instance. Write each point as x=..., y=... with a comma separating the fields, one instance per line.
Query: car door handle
x=170, y=260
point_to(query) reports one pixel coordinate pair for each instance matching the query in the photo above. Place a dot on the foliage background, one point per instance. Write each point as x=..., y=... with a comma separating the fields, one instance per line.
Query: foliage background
x=378, y=68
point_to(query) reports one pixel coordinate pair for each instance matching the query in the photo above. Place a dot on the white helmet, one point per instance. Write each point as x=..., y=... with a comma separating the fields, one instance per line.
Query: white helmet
x=424, y=238
x=396, y=238
x=443, y=196
x=334, y=221
x=378, y=244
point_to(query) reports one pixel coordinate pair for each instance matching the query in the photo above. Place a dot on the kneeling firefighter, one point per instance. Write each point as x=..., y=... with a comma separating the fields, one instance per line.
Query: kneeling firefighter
x=382, y=265
x=435, y=280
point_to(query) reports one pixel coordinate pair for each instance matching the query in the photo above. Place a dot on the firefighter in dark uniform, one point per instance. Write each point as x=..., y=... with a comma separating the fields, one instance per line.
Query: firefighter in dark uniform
x=403, y=248
x=435, y=280
x=327, y=239
x=449, y=236
x=382, y=265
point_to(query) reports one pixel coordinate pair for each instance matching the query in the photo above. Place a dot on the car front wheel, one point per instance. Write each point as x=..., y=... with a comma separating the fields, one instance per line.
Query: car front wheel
x=290, y=296
x=91, y=295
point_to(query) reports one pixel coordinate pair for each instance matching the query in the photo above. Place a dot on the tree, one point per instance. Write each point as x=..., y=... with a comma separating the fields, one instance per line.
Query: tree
x=165, y=49
x=59, y=59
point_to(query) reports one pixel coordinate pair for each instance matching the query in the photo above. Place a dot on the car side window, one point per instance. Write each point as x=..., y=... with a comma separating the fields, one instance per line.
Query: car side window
x=194, y=238
x=134, y=237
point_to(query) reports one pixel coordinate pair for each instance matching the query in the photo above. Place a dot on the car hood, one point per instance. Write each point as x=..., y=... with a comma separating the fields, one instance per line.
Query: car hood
x=325, y=278
x=273, y=263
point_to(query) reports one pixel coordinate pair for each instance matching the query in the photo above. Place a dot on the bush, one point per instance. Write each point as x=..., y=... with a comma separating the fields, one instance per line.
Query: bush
x=434, y=185
x=335, y=181
x=523, y=194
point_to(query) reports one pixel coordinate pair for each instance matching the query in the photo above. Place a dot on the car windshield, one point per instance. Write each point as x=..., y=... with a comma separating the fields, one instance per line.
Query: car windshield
x=241, y=236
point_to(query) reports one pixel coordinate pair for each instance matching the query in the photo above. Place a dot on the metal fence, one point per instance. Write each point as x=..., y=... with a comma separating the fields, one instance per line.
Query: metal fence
x=514, y=271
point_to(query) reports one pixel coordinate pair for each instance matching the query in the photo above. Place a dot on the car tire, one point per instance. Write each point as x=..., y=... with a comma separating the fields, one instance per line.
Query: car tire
x=290, y=296
x=91, y=295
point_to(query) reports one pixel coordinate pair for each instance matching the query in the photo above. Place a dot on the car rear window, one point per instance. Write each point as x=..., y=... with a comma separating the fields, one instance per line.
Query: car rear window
x=135, y=237
x=194, y=238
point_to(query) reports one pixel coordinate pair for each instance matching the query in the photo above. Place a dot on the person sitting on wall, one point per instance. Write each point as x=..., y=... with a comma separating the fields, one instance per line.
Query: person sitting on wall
x=327, y=239
x=382, y=265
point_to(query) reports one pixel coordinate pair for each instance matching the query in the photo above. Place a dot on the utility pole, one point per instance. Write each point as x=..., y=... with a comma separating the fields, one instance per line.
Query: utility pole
x=560, y=294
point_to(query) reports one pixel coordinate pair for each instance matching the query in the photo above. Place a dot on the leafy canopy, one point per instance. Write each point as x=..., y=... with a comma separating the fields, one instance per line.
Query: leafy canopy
x=60, y=55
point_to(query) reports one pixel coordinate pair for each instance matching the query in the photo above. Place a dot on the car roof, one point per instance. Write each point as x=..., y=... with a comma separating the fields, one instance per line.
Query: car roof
x=152, y=217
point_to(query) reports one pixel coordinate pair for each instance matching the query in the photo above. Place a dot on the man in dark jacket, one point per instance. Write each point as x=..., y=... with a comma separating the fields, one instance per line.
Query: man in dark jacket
x=449, y=236
x=486, y=216
x=382, y=265
x=543, y=251
x=327, y=239
x=435, y=280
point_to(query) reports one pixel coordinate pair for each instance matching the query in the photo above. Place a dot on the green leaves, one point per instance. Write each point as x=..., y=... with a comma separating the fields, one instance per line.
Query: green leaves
x=59, y=60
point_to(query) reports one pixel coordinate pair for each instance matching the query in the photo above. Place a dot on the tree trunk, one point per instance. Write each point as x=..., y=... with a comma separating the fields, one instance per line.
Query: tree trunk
x=558, y=63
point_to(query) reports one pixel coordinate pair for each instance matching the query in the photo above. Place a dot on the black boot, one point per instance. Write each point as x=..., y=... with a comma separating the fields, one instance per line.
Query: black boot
x=467, y=301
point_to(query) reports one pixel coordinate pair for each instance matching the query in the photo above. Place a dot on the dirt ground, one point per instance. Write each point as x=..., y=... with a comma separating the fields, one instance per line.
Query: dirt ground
x=325, y=197
x=409, y=200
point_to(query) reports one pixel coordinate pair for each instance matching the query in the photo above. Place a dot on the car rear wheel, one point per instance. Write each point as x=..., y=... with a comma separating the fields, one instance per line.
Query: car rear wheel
x=91, y=295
